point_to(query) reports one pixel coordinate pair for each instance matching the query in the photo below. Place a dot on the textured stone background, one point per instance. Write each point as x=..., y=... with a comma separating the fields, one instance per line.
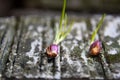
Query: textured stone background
x=23, y=41
x=30, y=28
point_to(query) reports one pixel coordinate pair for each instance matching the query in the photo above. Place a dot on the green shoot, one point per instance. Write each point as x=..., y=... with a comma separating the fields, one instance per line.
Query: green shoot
x=97, y=28
x=63, y=14
x=62, y=31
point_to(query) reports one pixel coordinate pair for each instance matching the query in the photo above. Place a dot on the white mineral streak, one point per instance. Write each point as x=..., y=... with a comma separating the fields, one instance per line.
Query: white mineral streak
x=75, y=42
x=79, y=66
x=2, y=27
x=116, y=74
x=109, y=17
x=0, y=75
x=32, y=53
x=57, y=75
x=112, y=51
x=109, y=43
x=118, y=41
x=30, y=27
x=84, y=57
x=46, y=76
x=38, y=43
x=40, y=28
x=82, y=46
x=34, y=44
x=28, y=75
x=112, y=27
x=34, y=33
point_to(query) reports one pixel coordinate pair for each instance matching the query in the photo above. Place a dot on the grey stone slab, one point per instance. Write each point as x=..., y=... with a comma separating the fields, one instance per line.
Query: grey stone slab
x=75, y=63
x=28, y=58
x=7, y=31
x=34, y=34
x=110, y=34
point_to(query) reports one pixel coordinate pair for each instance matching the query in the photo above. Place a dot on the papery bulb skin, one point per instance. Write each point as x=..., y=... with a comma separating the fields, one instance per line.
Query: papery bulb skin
x=95, y=48
x=52, y=50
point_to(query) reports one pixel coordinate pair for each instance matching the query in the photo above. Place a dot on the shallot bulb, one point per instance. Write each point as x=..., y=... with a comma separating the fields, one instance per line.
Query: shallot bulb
x=95, y=48
x=52, y=50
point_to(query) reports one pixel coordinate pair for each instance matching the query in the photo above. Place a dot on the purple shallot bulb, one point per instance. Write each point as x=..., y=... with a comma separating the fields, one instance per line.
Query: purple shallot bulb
x=95, y=48
x=52, y=50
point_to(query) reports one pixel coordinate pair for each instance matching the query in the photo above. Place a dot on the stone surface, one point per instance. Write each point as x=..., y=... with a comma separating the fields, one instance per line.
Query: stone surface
x=7, y=33
x=24, y=41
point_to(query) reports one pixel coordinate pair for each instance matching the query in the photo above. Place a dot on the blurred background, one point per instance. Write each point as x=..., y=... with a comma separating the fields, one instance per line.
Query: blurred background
x=21, y=7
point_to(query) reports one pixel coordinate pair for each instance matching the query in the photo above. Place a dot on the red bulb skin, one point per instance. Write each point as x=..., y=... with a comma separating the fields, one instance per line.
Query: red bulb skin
x=52, y=50
x=95, y=48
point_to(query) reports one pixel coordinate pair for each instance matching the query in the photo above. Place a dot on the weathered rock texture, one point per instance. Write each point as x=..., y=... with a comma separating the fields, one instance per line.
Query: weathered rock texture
x=23, y=41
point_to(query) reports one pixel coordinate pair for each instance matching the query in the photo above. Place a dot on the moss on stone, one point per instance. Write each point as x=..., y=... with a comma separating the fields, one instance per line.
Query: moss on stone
x=114, y=58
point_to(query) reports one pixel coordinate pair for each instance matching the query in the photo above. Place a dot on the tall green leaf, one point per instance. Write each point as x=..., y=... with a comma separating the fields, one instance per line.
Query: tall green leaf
x=62, y=31
x=97, y=28
x=63, y=14
x=59, y=29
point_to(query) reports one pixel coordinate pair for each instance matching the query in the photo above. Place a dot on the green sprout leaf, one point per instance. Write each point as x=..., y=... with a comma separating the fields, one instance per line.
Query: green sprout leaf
x=63, y=14
x=62, y=31
x=97, y=28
